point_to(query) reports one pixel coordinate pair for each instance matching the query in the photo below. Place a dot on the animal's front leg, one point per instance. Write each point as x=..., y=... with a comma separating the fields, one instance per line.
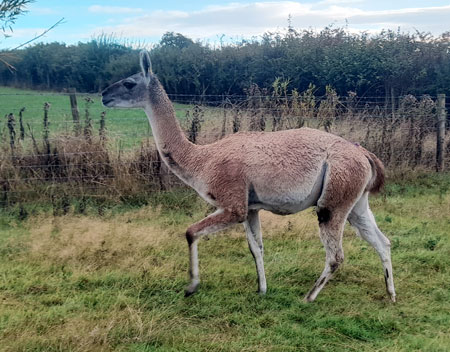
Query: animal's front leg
x=217, y=221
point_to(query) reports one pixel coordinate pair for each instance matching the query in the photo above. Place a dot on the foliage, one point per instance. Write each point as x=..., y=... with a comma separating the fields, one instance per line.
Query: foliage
x=369, y=65
x=88, y=67
x=9, y=11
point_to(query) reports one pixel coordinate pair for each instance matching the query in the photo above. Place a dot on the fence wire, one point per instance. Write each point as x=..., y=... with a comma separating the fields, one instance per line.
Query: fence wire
x=51, y=152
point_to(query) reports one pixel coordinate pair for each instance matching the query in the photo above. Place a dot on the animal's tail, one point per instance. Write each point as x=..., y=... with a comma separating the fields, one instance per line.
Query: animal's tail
x=376, y=183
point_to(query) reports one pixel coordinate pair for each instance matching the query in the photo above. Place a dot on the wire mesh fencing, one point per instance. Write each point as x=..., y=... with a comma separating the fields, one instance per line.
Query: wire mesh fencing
x=53, y=148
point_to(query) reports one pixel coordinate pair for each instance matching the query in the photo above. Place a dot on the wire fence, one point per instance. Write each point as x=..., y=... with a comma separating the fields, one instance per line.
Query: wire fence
x=52, y=147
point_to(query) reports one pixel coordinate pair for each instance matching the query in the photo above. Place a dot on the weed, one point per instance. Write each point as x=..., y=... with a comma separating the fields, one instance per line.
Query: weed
x=195, y=123
x=432, y=243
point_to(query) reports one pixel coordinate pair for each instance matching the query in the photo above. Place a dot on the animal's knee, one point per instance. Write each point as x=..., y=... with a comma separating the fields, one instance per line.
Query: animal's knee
x=190, y=236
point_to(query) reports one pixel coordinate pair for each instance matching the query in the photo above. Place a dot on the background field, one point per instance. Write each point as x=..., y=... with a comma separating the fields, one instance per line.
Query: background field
x=127, y=126
x=115, y=282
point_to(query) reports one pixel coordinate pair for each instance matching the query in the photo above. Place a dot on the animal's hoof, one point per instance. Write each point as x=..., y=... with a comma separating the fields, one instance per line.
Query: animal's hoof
x=191, y=289
x=188, y=293
x=308, y=299
x=393, y=299
x=262, y=292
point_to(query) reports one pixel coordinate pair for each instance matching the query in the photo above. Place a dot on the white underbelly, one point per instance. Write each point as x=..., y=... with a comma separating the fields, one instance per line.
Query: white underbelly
x=286, y=206
x=288, y=199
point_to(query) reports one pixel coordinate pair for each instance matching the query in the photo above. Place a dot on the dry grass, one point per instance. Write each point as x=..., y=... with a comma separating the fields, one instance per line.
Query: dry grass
x=93, y=242
x=67, y=166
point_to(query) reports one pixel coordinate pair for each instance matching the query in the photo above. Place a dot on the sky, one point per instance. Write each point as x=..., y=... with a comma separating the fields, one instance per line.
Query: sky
x=145, y=21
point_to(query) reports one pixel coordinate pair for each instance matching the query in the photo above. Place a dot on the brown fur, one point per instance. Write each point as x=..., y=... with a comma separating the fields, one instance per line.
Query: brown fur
x=283, y=172
x=378, y=180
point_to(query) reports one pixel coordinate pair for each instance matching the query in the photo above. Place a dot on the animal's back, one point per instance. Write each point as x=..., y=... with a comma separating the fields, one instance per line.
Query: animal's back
x=284, y=170
x=283, y=153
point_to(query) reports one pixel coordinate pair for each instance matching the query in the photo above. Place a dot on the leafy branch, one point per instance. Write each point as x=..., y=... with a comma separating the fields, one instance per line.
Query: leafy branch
x=9, y=11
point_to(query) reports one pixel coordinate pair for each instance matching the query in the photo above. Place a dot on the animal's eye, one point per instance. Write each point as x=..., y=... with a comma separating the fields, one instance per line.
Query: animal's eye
x=129, y=84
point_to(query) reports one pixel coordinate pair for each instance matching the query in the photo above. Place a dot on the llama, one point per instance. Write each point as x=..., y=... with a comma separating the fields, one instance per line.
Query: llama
x=282, y=172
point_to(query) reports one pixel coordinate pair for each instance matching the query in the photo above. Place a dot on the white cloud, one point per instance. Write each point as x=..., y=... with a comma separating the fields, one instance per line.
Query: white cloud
x=433, y=19
x=251, y=19
x=43, y=10
x=28, y=33
x=113, y=9
x=232, y=19
x=339, y=2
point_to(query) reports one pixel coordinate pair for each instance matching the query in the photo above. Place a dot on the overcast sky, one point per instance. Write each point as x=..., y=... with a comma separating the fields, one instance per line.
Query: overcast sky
x=146, y=21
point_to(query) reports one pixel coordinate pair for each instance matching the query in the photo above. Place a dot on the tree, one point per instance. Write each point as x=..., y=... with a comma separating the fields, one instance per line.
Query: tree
x=176, y=40
x=9, y=11
x=368, y=65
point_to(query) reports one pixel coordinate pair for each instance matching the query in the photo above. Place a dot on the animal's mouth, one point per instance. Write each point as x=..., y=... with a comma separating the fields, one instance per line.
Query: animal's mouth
x=107, y=101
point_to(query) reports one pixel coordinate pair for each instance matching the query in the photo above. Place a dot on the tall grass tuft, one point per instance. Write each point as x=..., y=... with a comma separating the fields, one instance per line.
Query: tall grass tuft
x=195, y=122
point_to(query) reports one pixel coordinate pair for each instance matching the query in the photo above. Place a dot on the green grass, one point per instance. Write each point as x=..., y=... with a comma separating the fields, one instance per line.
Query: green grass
x=115, y=282
x=128, y=126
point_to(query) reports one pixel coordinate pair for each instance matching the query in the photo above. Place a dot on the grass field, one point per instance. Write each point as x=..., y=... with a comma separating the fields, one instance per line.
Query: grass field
x=115, y=282
x=130, y=126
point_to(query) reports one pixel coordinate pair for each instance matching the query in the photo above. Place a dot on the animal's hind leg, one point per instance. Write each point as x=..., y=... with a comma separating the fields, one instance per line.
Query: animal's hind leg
x=343, y=185
x=362, y=219
x=331, y=230
x=254, y=237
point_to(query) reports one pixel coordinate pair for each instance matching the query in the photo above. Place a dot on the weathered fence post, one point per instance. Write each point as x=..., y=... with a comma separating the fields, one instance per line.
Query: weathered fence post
x=224, y=121
x=75, y=112
x=22, y=128
x=12, y=132
x=102, y=130
x=46, y=130
x=393, y=103
x=440, y=135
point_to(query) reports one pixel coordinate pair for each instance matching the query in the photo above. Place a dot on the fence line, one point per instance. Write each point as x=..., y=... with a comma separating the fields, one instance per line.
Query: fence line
x=69, y=156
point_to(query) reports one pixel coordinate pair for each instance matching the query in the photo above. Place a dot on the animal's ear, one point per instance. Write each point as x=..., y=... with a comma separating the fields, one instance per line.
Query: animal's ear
x=146, y=64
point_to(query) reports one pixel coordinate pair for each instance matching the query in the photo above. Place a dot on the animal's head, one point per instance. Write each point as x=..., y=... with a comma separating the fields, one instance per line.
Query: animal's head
x=131, y=92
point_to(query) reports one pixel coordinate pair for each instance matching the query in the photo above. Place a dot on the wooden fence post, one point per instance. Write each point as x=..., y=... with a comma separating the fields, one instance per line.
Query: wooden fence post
x=75, y=112
x=440, y=135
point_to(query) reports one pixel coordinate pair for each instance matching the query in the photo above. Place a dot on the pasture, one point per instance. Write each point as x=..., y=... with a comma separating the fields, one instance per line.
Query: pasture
x=115, y=281
x=93, y=255
x=128, y=126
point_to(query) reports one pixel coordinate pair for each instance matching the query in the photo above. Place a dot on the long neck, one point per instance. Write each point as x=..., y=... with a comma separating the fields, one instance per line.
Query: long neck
x=170, y=140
